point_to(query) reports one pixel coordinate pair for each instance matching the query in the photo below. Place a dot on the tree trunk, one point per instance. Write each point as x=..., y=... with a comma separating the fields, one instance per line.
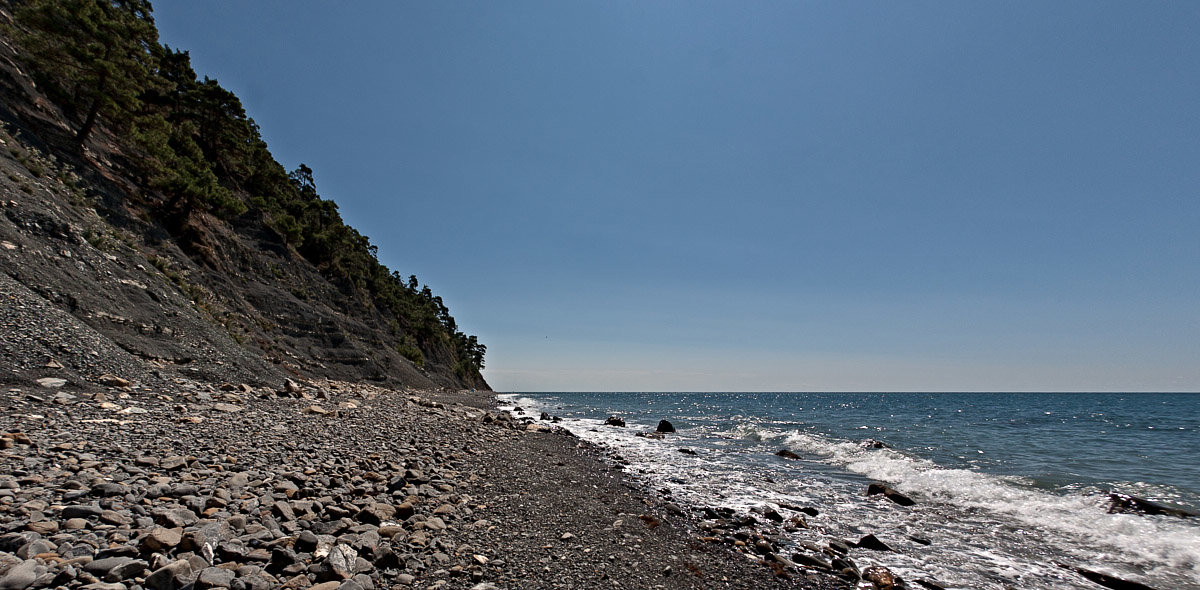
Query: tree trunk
x=82, y=135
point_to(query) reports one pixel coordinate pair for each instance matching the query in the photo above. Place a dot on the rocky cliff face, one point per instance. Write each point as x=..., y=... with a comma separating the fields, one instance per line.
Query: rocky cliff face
x=95, y=280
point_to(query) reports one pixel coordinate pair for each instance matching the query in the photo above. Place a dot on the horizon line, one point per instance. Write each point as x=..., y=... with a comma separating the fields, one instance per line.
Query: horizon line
x=947, y=391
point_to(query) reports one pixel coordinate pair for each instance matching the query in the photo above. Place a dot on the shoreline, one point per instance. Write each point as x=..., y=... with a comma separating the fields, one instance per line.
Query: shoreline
x=844, y=485
x=332, y=485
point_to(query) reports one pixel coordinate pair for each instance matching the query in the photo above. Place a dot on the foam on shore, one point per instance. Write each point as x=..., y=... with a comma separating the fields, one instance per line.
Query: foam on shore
x=985, y=531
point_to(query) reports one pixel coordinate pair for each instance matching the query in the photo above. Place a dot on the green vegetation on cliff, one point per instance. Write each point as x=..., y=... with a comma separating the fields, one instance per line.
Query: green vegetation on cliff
x=190, y=142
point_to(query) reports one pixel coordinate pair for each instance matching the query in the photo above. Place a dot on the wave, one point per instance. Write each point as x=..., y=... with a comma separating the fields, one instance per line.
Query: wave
x=985, y=530
x=1156, y=544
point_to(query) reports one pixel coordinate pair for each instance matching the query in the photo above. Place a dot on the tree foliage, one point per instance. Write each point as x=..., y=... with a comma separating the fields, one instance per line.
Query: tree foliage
x=192, y=140
x=93, y=56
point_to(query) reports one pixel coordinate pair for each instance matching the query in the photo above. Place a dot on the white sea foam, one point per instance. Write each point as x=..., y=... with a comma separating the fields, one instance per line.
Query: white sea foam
x=987, y=531
x=1154, y=544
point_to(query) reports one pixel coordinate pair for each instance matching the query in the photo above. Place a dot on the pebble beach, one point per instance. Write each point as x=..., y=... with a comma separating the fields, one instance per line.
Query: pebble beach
x=329, y=485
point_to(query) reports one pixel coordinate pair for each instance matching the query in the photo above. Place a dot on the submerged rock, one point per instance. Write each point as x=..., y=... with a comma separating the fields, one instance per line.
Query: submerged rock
x=786, y=454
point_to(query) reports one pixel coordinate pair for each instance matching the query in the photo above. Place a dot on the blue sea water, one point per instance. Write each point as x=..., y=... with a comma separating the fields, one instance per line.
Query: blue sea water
x=1007, y=484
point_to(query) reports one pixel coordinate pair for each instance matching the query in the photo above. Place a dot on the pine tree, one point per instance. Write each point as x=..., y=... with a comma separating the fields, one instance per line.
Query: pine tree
x=95, y=57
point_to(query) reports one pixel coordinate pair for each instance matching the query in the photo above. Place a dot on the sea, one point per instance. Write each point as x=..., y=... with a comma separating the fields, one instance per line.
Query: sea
x=1008, y=486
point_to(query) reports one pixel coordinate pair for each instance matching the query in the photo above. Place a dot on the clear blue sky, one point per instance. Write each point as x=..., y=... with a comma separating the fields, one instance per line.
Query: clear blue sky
x=799, y=196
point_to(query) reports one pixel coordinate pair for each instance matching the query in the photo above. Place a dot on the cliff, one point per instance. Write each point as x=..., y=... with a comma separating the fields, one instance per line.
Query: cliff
x=147, y=232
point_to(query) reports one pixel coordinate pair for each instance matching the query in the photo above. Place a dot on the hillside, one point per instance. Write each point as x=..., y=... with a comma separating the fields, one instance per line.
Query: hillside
x=148, y=232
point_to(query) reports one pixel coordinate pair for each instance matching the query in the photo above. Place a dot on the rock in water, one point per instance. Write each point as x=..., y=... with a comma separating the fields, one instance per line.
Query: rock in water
x=890, y=494
x=664, y=426
x=786, y=454
x=873, y=543
x=1124, y=503
x=614, y=421
x=1104, y=579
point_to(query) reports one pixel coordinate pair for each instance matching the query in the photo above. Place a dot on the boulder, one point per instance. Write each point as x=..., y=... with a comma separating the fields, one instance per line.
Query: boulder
x=112, y=381
x=51, y=382
x=375, y=513
x=890, y=494
x=162, y=539
x=664, y=426
x=882, y=578
x=1104, y=579
x=22, y=575
x=81, y=511
x=214, y=577
x=171, y=576
x=804, y=509
x=786, y=454
x=930, y=584
x=807, y=560
x=405, y=510
x=614, y=421
x=341, y=561
x=109, y=488
x=873, y=543
x=306, y=542
x=1126, y=504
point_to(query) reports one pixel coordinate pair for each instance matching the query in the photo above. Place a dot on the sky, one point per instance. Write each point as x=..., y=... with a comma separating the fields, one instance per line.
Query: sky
x=756, y=196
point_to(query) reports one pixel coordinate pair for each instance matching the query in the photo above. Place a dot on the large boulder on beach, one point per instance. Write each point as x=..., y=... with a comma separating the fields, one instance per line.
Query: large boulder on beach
x=873, y=543
x=664, y=426
x=890, y=494
x=614, y=421
x=882, y=578
x=1126, y=504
